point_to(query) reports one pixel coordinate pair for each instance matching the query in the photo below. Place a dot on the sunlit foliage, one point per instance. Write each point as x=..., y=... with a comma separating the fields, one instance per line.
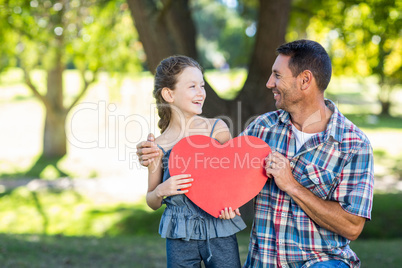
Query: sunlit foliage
x=90, y=34
x=364, y=38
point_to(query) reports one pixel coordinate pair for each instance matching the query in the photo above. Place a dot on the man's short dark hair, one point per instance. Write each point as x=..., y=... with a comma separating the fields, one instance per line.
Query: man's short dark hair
x=308, y=55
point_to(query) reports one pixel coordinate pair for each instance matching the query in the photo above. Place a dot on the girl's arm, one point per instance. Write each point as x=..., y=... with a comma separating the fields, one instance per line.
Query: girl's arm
x=221, y=132
x=154, y=200
x=157, y=189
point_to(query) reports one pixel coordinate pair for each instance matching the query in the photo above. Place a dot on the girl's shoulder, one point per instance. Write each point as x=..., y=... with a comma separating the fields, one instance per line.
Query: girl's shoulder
x=209, y=124
x=219, y=130
x=213, y=127
x=164, y=142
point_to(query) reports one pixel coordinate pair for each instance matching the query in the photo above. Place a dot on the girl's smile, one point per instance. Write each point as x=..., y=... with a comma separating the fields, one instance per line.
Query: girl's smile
x=189, y=93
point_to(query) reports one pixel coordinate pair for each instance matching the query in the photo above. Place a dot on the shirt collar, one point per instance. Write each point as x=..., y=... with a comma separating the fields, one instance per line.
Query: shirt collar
x=336, y=122
x=335, y=125
x=284, y=117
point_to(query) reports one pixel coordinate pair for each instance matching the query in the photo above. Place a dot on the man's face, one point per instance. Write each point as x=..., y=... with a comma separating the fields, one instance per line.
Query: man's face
x=283, y=84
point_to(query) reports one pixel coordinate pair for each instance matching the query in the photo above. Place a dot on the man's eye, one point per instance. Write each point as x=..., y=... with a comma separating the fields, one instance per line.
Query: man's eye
x=277, y=76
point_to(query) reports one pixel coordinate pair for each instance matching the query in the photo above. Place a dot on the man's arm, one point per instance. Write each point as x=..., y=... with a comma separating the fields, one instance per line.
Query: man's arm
x=327, y=214
x=147, y=151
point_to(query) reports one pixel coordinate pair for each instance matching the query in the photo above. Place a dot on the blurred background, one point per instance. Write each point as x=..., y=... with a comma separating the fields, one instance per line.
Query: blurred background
x=76, y=80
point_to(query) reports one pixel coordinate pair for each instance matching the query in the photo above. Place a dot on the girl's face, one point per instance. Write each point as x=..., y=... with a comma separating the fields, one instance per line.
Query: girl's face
x=189, y=93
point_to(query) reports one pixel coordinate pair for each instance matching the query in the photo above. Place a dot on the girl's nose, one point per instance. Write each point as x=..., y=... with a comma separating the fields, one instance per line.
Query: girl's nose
x=201, y=90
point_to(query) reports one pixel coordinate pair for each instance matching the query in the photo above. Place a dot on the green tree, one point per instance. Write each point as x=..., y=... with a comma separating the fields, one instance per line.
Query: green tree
x=225, y=34
x=49, y=35
x=167, y=27
x=363, y=38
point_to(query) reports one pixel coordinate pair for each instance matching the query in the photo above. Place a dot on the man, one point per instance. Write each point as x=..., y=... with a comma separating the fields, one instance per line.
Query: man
x=320, y=187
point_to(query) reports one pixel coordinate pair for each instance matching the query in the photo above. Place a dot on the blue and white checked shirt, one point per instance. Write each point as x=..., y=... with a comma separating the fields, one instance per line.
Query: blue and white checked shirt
x=336, y=165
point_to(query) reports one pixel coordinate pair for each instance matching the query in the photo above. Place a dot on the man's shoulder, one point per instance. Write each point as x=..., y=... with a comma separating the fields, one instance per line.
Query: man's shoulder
x=268, y=119
x=344, y=130
x=353, y=135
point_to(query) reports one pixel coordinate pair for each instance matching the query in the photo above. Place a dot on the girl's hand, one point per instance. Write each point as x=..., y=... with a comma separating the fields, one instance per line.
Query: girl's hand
x=228, y=213
x=174, y=185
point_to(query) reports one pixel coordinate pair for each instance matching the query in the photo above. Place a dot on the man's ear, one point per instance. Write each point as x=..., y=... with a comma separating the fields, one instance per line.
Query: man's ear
x=167, y=94
x=306, y=79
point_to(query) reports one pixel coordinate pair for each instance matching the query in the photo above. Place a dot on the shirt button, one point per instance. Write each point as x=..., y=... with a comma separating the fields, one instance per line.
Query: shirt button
x=292, y=164
x=283, y=214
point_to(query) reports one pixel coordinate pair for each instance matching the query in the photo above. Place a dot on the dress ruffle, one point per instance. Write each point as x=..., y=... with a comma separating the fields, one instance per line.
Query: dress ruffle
x=182, y=222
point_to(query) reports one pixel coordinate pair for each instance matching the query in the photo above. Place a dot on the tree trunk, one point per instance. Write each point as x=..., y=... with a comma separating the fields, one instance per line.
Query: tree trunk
x=170, y=30
x=54, y=138
x=164, y=32
x=385, y=108
x=255, y=98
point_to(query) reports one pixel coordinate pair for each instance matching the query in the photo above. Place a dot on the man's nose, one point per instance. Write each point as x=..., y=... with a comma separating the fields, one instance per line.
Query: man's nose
x=270, y=83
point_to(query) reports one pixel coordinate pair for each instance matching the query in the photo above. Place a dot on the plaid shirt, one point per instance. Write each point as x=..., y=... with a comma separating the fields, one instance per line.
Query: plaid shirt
x=336, y=165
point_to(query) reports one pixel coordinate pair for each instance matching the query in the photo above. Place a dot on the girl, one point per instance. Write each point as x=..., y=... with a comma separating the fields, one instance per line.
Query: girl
x=192, y=235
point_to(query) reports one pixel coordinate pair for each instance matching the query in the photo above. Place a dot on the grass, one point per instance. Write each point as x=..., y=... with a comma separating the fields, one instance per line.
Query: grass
x=63, y=251
x=370, y=122
x=386, y=218
x=69, y=213
x=82, y=234
x=46, y=168
x=143, y=251
x=66, y=212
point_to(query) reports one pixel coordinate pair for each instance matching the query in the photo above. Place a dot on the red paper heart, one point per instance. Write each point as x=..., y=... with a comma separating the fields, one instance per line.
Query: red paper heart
x=227, y=175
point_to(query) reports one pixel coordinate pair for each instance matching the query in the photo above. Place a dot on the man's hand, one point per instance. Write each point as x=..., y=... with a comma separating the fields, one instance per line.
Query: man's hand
x=277, y=166
x=328, y=214
x=147, y=151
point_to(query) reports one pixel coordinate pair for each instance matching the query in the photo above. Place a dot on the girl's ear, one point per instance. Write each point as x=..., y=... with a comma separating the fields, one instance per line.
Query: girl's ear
x=167, y=94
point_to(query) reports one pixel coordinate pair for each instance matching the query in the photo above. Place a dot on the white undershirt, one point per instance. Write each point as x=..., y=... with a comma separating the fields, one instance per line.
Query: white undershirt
x=301, y=137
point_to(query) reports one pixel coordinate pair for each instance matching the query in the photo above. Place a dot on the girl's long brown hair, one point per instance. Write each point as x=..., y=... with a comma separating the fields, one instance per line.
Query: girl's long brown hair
x=166, y=76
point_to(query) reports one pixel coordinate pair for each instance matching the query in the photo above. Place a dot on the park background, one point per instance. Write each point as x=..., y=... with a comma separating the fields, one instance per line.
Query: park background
x=76, y=97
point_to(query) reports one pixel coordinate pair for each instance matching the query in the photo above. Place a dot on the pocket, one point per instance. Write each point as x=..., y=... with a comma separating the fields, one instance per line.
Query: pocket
x=318, y=180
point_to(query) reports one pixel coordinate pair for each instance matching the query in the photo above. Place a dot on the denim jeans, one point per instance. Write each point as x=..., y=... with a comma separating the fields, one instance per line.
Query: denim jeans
x=330, y=264
x=225, y=253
